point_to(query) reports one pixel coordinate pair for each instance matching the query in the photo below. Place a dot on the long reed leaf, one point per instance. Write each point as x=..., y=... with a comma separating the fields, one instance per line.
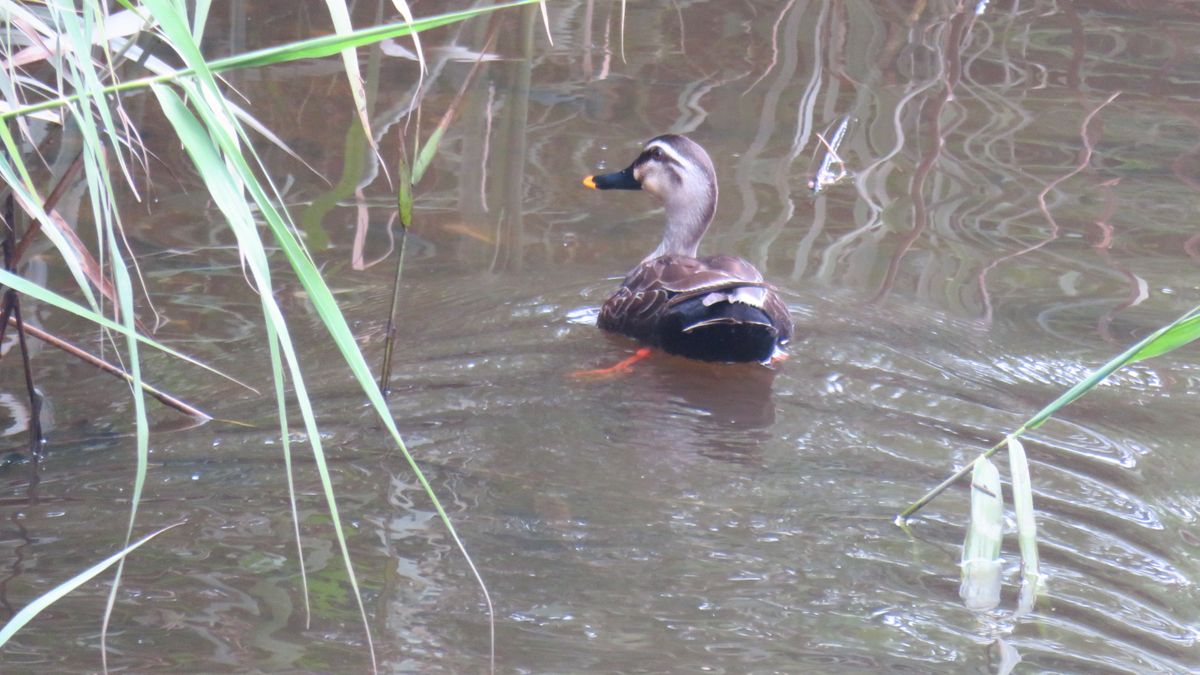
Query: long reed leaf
x=1172, y=337
x=26, y=287
x=339, y=13
x=212, y=138
x=16, y=176
x=78, y=29
x=1178, y=333
x=406, y=13
x=313, y=48
x=142, y=427
x=323, y=302
x=35, y=607
x=219, y=179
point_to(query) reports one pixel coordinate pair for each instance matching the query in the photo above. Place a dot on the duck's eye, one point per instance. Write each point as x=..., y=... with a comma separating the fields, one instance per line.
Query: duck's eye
x=656, y=153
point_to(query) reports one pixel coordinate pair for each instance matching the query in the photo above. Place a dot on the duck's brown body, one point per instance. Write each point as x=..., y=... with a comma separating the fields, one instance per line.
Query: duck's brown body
x=716, y=308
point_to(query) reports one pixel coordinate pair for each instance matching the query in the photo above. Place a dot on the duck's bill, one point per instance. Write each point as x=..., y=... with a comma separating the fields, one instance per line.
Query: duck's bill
x=620, y=180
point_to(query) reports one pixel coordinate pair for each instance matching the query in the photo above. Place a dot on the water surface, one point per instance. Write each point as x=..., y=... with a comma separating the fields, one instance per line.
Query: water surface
x=1004, y=231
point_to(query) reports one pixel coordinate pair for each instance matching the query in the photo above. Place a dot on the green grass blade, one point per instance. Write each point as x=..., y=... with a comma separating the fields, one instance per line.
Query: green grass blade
x=322, y=300
x=26, y=287
x=404, y=188
x=339, y=14
x=428, y=150
x=213, y=145
x=35, y=607
x=286, y=442
x=141, y=430
x=1178, y=334
x=78, y=29
x=319, y=47
x=219, y=178
x=26, y=195
x=1172, y=336
x=77, y=69
x=200, y=19
x=226, y=174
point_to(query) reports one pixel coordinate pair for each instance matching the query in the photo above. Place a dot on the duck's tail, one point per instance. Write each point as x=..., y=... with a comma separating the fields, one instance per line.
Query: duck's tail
x=724, y=325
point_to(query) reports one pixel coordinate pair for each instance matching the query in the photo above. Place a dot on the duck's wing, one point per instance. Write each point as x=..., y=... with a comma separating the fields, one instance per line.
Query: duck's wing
x=742, y=282
x=638, y=304
x=653, y=287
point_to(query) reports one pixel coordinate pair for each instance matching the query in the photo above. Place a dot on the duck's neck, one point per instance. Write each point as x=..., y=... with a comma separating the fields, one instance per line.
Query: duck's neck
x=687, y=221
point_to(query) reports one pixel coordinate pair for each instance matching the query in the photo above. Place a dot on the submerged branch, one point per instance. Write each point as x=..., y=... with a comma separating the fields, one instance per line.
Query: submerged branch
x=163, y=397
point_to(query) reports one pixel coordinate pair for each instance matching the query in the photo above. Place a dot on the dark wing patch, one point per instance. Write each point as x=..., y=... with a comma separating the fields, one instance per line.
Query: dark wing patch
x=634, y=309
x=649, y=290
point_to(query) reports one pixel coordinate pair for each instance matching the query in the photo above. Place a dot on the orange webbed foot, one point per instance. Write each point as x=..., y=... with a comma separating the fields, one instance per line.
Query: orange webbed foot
x=620, y=368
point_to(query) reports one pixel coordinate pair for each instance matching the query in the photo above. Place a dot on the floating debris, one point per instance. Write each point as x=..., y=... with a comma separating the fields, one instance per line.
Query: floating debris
x=832, y=170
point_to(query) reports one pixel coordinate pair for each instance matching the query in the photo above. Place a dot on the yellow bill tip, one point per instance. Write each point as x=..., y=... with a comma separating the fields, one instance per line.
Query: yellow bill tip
x=589, y=182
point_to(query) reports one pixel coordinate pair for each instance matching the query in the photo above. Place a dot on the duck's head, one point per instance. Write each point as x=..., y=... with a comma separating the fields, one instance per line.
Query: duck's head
x=669, y=166
x=677, y=171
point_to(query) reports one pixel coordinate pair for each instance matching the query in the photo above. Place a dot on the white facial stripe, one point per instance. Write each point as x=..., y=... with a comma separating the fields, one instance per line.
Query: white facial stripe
x=669, y=152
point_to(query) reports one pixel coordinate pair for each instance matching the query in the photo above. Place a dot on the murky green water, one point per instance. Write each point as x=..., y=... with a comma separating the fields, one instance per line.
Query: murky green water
x=684, y=518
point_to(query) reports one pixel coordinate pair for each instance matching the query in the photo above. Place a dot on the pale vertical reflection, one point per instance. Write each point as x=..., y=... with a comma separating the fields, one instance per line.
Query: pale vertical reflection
x=800, y=139
x=589, y=13
x=747, y=164
x=18, y=412
x=476, y=124
x=940, y=125
x=691, y=114
x=872, y=180
x=489, y=116
x=606, y=64
x=1053, y=233
x=804, y=248
x=513, y=235
x=781, y=176
x=990, y=147
x=774, y=46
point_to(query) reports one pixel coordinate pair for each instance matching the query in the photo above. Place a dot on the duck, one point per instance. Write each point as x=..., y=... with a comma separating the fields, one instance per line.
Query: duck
x=716, y=308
